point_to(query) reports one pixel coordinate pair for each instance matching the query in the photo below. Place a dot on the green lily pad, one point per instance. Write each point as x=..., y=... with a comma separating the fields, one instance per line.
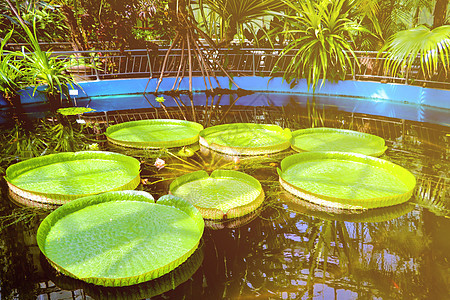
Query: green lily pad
x=73, y=111
x=346, y=180
x=341, y=140
x=154, y=134
x=120, y=238
x=61, y=177
x=224, y=194
x=246, y=138
x=145, y=290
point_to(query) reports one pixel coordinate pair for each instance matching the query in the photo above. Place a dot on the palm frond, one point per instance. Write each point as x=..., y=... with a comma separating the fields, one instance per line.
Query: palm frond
x=431, y=47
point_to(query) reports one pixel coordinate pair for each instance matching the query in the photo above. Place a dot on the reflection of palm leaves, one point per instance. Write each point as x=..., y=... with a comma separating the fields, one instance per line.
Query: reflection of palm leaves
x=433, y=193
x=326, y=239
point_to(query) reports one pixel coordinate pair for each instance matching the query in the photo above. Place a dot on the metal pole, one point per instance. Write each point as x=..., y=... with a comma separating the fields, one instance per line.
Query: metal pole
x=254, y=66
x=149, y=65
x=96, y=71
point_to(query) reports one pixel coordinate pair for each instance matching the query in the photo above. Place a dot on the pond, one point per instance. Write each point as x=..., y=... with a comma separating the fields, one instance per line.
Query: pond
x=289, y=248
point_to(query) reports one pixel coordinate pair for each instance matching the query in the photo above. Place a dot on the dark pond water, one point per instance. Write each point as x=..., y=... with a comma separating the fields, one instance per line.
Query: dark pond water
x=288, y=249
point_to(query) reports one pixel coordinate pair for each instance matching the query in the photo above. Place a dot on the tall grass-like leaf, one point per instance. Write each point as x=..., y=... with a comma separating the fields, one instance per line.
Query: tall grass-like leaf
x=431, y=47
x=42, y=68
x=10, y=73
x=320, y=34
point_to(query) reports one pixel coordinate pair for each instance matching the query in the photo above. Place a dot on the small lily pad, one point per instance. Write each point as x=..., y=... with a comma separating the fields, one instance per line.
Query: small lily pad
x=224, y=194
x=340, y=140
x=246, y=138
x=154, y=134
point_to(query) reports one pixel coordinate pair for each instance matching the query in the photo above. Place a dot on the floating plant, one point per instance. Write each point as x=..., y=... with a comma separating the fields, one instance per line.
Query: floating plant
x=341, y=140
x=346, y=180
x=145, y=290
x=154, y=134
x=58, y=178
x=224, y=194
x=120, y=238
x=246, y=138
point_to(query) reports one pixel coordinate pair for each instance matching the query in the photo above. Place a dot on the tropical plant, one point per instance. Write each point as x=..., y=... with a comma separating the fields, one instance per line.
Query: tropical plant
x=319, y=42
x=187, y=37
x=50, y=25
x=431, y=47
x=237, y=16
x=11, y=80
x=44, y=69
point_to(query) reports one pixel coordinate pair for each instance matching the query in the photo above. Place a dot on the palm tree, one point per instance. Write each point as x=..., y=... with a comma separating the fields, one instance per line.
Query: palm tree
x=235, y=15
x=440, y=15
x=431, y=47
x=320, y=33
x=188, y=38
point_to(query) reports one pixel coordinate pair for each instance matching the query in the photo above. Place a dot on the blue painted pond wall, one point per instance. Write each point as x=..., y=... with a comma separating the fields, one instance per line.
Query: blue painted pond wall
x=390, y=100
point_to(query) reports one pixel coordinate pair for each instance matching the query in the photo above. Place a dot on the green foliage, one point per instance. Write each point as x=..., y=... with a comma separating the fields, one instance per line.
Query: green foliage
x=42, y=68
x=45, y=137
x=11, y=75
x=111, y=23
x=23, y=144
x=154, y=21
x=236, y=16
x=431, y=47
x=50, y=24
x=319, y=38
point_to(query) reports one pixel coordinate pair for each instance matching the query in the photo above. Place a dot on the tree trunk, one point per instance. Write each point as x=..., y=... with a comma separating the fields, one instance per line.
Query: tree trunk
x=76, y=40
x=440, y=12
x=229, y=35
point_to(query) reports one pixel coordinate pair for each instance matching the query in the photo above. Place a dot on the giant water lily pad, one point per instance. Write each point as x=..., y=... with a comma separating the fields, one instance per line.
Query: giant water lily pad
x=61, y=177
x=156, y=134
x=246, y=138
x=225, y=193
x=346, y=180
x=145, y=290
x=341, y=140
x=120, y=238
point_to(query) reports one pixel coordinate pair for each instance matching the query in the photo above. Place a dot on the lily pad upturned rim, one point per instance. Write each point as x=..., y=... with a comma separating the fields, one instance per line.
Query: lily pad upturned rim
x=24, y=166
x=341, y=203
x=81, y=203
x=214, y=213
x=154, y=144
x=376, y=152
x=375, y=215
x=146, y=290
x=243, y=150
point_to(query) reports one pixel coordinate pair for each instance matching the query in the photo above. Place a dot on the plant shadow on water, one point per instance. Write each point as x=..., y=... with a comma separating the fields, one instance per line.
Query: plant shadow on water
x=287, y=249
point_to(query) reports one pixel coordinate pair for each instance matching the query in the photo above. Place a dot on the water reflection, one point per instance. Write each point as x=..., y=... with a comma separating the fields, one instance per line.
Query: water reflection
x=284, y=250
x=170, y=281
